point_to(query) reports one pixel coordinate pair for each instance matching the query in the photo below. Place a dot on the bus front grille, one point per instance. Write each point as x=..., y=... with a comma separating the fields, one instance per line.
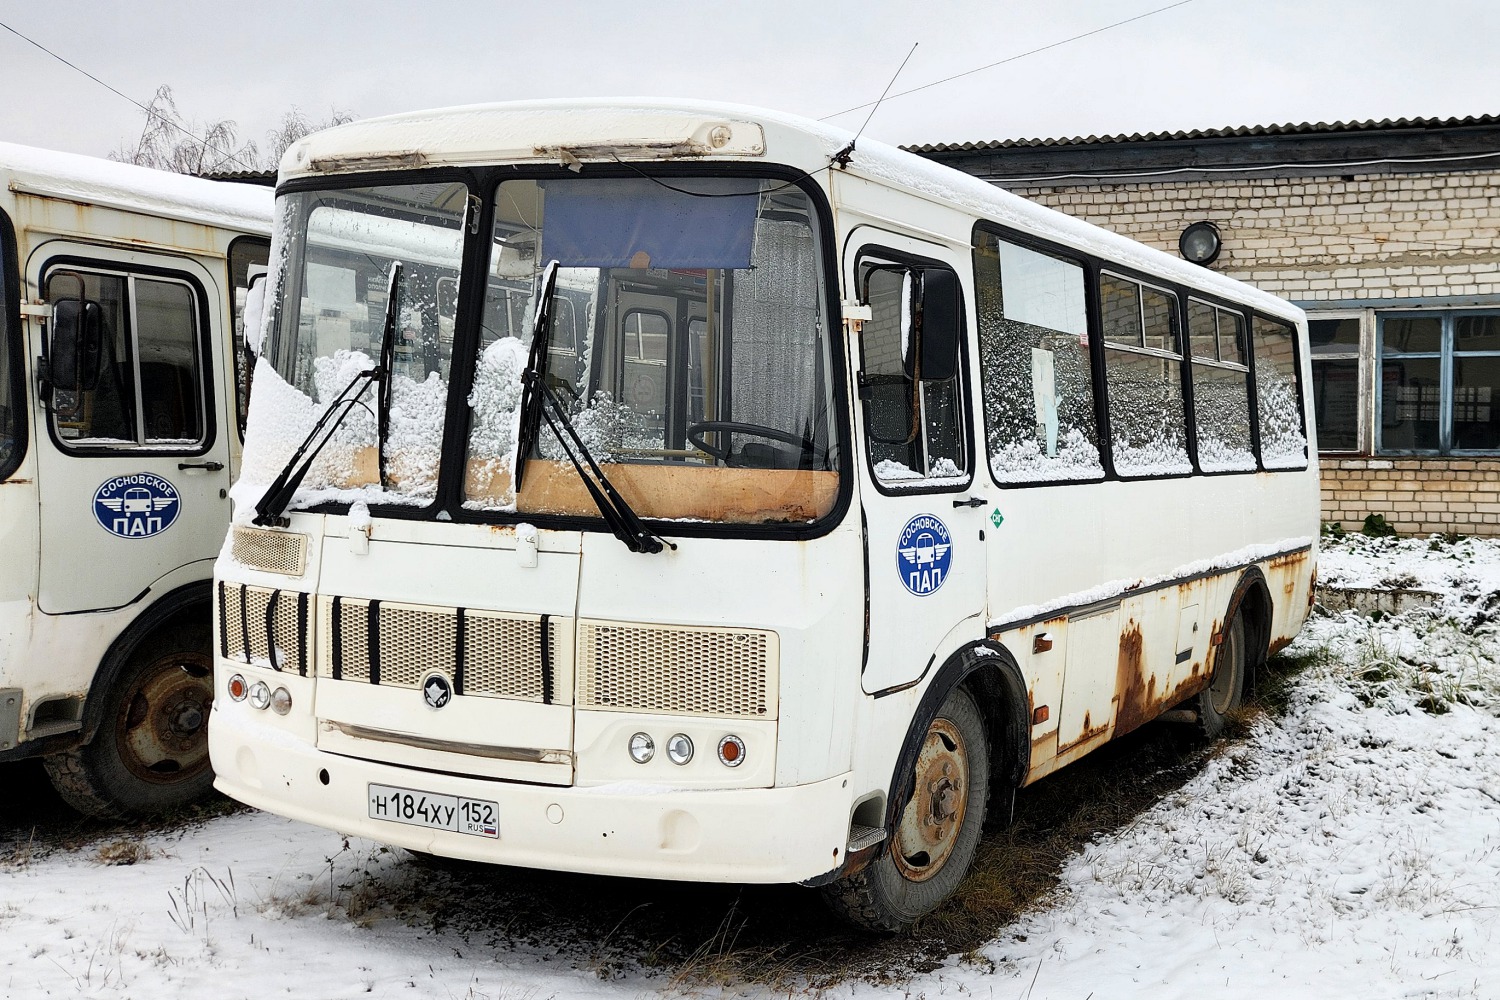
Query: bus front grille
x=487, y=653
x=269, y=551
x=679, y=670
x=261, y=626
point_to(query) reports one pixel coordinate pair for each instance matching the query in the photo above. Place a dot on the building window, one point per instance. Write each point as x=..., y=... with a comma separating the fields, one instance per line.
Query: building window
x=1335, y=381
x=1439, y=383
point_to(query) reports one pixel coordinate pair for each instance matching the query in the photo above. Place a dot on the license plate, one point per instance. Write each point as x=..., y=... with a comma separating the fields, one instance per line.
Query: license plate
x=436, y=812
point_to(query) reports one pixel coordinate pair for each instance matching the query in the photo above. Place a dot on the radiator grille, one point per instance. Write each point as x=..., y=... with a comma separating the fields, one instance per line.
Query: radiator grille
x=269, y=551
x=502, y=653
x=677, y=670
x=246, y=635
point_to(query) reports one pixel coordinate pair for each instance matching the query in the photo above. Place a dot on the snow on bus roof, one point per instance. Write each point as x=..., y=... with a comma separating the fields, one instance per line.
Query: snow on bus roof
x=600, y=129
x=94, y=181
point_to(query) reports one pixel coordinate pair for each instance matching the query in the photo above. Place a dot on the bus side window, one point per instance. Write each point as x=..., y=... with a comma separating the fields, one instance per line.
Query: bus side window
x=1283, y=445
x=1143, y=378
x=914, y=425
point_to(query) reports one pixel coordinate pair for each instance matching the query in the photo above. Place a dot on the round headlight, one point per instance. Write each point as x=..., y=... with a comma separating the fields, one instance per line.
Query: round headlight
x=731, y=751
x=642, y=748
x=679, y=749
x=238, y=688
x=281, y=701
x=260, y=695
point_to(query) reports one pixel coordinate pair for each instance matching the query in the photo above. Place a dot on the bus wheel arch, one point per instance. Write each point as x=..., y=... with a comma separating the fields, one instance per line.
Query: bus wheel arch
x=961, y=750
x=144, y=747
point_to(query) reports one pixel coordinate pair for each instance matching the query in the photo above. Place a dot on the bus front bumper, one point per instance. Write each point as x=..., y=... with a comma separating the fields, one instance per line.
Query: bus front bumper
x=766, y=835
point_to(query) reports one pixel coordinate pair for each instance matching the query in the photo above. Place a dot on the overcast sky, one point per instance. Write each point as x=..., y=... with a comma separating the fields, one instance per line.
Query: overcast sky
x=1201, y=64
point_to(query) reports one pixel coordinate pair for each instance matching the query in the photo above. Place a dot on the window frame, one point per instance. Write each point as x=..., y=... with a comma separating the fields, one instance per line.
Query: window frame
x=238, y=347
x=203, y=342
x=1245, y=369
x=10, y=330
x=1446, y=355
x=886, y=257
x=1365, y=356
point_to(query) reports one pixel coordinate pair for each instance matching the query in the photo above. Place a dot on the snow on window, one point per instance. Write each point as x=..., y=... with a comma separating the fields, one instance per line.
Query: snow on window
x=1282, y=443
x=1143, y=375
x=1034, y=358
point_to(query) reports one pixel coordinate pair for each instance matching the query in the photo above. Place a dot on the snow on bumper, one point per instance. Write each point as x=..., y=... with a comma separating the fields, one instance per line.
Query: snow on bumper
x=720, y=835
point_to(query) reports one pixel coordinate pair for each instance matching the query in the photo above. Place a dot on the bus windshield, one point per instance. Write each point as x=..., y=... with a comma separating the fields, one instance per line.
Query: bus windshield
x=687, y=343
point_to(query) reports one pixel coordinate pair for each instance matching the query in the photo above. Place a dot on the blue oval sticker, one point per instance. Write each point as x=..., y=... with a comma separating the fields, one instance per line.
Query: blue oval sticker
x=136, y=506
x=923, y=554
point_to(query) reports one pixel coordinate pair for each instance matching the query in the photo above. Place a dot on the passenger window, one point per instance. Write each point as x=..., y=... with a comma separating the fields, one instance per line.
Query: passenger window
x=1034, y=356
x=145, y=389
x=1143, y=378
x=913, y=424
x=1283, y=445
x=1221, y=395
x=644, y=337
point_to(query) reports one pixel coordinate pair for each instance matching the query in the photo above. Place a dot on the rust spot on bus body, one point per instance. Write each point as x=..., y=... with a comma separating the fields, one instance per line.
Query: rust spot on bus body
x=1287, y=570
x=1139, y=695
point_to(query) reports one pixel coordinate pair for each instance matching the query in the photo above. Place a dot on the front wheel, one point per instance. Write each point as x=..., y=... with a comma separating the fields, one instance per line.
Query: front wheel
x=150, y=752
x=937, y=834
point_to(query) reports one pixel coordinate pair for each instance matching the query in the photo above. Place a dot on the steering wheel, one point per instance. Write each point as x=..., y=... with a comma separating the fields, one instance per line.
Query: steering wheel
x=725, y=454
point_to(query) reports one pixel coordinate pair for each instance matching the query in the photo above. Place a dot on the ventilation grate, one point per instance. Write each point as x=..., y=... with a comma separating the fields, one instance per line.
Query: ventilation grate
x=677, y=670
x=255, y=622
x=503, y=654
x=269, y=551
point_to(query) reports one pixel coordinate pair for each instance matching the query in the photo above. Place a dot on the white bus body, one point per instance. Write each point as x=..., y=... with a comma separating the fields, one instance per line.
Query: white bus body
x=113, y=493
x=957, y=489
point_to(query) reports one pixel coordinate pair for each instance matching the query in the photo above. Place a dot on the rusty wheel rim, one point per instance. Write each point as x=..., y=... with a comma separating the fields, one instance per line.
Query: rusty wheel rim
x=162, y=728
x=1226, y=672
x=931, y=822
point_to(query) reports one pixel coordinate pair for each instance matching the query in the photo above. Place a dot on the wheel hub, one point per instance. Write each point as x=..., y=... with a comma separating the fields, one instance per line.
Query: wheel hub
x=931, y=821
x=161, y=733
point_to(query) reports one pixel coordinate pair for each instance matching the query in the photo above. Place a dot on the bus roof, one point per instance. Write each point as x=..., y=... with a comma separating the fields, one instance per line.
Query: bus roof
x=584, y=130
x=90, y=180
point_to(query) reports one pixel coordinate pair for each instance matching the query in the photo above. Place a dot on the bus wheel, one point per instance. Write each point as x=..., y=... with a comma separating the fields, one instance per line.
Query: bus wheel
x=1227, y=685
x=937, y=834
x=150, y=752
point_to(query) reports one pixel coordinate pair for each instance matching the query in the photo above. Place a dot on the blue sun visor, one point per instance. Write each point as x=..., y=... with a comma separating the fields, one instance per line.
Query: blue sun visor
x=635, y=222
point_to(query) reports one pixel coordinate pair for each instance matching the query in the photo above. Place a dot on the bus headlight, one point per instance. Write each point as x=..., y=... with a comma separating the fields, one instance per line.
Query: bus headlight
x=281, y=701
x=679, y=749
x=260, y=695
x=731, y=751
x=642, y=748
x=237, y=687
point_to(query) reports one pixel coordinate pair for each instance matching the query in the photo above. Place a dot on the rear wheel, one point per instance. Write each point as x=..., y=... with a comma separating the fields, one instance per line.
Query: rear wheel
x=1226, y=686
x=938, y=832
x=150, y=752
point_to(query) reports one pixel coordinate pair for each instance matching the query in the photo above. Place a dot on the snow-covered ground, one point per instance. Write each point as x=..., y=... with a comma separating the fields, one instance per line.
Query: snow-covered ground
x=1346, y=847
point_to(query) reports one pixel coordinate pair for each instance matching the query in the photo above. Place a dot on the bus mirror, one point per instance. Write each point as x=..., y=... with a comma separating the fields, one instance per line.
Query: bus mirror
x=73, y=361
x=935, y=314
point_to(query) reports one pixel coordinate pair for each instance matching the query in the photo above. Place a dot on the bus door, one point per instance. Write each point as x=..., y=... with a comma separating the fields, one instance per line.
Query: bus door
x=133, y=467
x=923, y=524
x=651, y=330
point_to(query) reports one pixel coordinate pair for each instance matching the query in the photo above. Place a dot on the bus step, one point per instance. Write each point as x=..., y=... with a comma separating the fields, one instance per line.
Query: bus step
x=861, y=837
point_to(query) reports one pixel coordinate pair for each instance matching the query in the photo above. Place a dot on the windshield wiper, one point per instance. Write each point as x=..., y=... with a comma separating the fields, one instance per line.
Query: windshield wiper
x=271, y=507
x=623, y=521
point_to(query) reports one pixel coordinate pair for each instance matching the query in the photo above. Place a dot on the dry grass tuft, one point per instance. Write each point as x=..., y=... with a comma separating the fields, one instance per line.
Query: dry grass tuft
x=123, y=852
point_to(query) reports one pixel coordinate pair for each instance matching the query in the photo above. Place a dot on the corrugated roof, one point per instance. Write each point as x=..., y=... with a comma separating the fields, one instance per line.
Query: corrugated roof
x=1239, y=131
x=266, y=177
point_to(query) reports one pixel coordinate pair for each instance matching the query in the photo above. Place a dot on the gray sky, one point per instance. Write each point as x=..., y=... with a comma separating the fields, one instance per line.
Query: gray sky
x=1205, y=64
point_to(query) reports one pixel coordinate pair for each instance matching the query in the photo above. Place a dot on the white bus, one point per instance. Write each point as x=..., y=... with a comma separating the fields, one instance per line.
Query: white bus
x=120, y=424
x=685, y=491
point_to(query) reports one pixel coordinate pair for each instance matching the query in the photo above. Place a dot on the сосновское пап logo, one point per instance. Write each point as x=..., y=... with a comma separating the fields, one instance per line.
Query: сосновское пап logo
x=138, y=505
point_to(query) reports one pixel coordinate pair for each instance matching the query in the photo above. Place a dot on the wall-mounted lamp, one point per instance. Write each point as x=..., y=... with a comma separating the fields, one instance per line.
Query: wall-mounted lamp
x=1200, y=243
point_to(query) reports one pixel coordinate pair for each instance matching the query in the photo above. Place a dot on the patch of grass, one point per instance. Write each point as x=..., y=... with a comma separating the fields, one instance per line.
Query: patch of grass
x=123, y=852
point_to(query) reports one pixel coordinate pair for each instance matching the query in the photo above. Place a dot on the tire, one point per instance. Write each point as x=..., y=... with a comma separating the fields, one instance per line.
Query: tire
x=149, y=754
x=1226, y=685
x=937, y=834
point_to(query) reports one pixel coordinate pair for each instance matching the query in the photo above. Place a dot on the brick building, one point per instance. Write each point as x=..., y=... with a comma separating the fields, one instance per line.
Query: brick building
x=1387, y=233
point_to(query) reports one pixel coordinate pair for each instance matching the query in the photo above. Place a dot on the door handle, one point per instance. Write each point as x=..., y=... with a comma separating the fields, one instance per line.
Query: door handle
x=971, y=502
x=205, y=466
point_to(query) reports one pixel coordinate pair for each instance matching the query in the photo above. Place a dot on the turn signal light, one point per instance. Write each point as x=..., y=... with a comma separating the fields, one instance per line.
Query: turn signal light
x=238, y=688
x=731, y=751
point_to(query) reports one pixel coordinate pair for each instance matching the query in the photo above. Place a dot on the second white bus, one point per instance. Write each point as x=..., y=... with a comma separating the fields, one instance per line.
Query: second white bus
x=687, y=491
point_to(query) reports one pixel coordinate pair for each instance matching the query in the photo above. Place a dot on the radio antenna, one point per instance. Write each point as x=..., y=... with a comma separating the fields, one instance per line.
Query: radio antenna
x=842, y=156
